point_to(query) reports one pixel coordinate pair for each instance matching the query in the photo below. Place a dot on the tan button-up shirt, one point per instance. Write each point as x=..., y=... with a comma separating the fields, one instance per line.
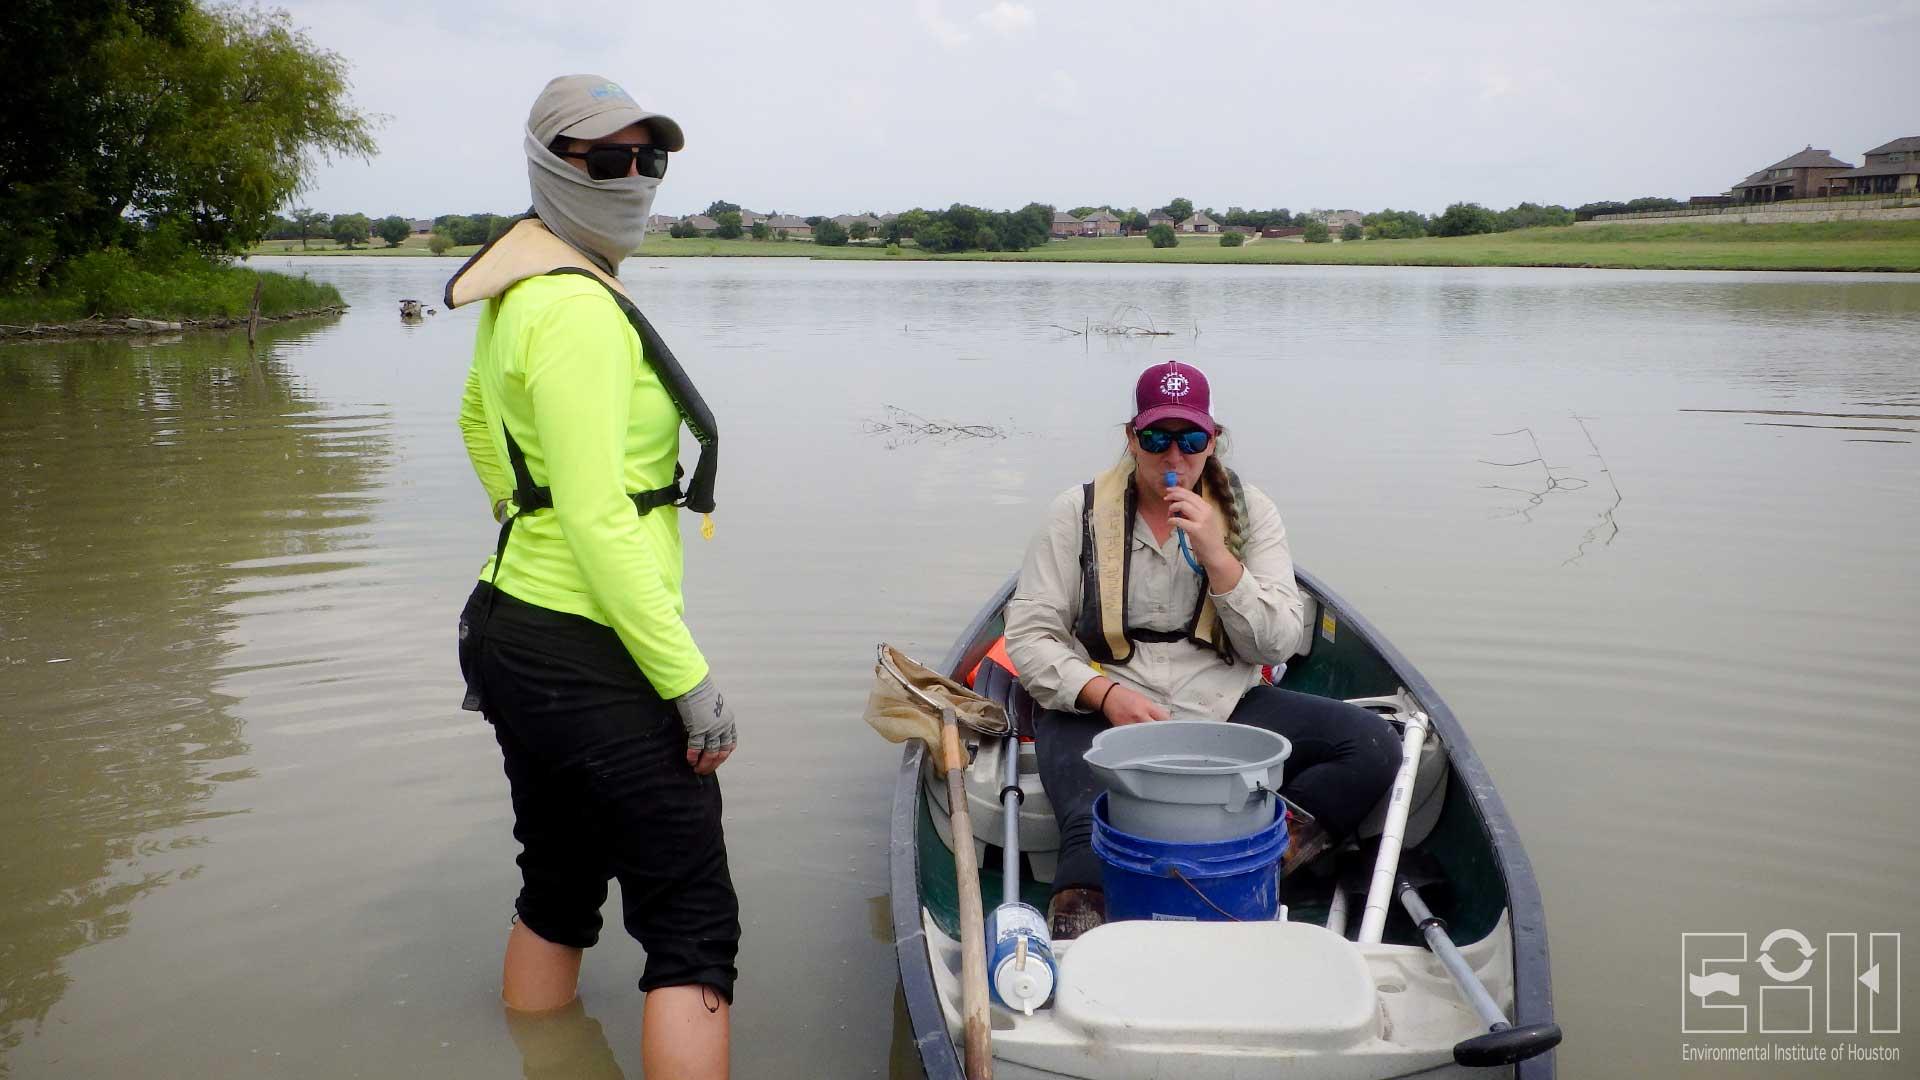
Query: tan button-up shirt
x=1261, y=615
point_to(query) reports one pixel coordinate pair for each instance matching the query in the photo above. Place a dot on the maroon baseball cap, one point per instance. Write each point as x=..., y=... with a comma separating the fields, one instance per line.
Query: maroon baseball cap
x=1173, y=391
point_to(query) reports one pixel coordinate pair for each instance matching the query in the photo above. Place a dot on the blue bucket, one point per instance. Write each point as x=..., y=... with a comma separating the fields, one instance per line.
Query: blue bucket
x=1206, y=881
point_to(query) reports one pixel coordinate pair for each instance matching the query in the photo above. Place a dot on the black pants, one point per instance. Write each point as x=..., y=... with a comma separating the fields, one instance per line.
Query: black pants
x=1344, y=758
x=601, y=789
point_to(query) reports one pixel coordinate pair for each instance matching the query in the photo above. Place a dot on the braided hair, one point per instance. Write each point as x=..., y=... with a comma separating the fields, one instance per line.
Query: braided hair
x=1214, y=476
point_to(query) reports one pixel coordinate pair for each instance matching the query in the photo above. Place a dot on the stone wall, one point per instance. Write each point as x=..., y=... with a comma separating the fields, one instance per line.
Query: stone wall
x=1889, y=209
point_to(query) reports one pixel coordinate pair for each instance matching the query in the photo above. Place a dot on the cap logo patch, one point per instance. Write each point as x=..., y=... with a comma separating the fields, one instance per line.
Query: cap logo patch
x=1174, y=384
x=608, y=90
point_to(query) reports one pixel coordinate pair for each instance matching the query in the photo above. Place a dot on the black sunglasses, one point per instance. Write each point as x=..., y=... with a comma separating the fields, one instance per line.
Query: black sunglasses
x=1155, y=441
x=610, y=160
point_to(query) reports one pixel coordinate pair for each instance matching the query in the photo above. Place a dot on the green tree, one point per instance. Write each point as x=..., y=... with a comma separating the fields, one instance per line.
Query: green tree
x=829, y=233
x=1232, y=239
x=310, y=223
x=393, y=228
x=1316, y=231
x=1163, y=236
x=1351, y=231
x=1530, y=216
x=1393, y=224
x=760, y=230
x=117, y=116
x=729, y=225
x=1136, y=221
x=859, y=230
x=1463, y=219
x=350, y=229
x=1180, y=209
x=439, y=242
x=720, y=206
x=937, y=236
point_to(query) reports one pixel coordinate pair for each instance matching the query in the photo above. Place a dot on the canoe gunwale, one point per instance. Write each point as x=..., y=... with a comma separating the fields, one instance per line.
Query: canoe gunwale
x=1533, y=988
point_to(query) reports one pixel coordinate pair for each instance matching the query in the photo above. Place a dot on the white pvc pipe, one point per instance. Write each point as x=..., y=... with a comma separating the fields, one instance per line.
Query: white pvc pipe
x=1380, y=891
x=1337, y=911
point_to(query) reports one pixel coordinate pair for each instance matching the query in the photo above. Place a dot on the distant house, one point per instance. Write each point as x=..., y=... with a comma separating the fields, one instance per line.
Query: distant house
x=1100, y=223
x=421, y=226
x=661, y=222
x=1806, y=175
x=1282, y=232
x=702, y=222
x=1335, y=220
x=749, y=217
x=1161, y=217
x=848, y=221
x=1199, y=223
x=1890, y=168
x=1065, y=225
x=792, y=226
x=1710, y=200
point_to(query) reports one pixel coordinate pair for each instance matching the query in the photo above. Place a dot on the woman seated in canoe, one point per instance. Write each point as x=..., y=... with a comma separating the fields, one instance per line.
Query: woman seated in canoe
x=1145, y=626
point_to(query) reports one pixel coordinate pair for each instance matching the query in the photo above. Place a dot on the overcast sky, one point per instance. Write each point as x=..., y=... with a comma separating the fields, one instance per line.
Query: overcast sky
x=841, y=106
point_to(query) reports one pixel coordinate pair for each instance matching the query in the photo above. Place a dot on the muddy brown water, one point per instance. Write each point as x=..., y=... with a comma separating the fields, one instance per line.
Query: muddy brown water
x=244, y=828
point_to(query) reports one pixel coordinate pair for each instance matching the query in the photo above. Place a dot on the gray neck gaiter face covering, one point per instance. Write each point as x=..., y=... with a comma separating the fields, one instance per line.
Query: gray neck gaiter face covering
x=604, y=219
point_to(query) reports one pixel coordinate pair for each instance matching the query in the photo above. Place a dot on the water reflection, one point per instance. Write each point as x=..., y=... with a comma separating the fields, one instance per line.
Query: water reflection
x=565, y=1044
x=138, y=479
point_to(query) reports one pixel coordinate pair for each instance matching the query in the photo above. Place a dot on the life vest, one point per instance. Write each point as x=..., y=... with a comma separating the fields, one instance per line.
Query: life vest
x=1108, y=509
x=528, y=249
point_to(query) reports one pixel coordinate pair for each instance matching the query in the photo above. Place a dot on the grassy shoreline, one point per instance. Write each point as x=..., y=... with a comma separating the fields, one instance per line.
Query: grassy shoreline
x=1857, y=246
x=113, y=296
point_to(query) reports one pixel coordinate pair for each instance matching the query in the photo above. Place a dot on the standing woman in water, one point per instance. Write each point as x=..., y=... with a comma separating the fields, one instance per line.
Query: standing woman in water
x=573, y=644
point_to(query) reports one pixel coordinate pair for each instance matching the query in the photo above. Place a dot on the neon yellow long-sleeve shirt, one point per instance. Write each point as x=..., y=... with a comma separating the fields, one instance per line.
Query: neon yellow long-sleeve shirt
x=558, y=363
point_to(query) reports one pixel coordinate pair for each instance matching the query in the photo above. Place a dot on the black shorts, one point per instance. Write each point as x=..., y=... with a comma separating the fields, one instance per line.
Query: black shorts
x=601, y=789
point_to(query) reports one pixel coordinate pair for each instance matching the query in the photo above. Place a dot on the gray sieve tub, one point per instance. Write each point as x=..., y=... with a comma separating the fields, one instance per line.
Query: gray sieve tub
x=1189, y=780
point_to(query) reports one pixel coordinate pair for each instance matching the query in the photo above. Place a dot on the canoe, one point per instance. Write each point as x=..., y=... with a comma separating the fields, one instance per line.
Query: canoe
x=1203, y=1000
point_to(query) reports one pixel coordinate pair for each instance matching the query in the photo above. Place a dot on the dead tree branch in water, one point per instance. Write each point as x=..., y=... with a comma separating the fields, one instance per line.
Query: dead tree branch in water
x=1118, y=326
x=1550, y=473
x=1605, y=529
x=902, y=427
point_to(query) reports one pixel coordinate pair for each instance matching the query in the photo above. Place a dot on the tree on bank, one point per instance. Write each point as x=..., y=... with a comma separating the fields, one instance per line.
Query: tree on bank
x=829, y=233
x=1464, y=219
x=1351, y=231
x=761, y=231
x=393, y=228
x=1163, y=236
x=1179, y=209
x=350, y=229
x=121, y=117
x=310, y=223
x=729, y=225
x=1316, y=232
x=720, y=206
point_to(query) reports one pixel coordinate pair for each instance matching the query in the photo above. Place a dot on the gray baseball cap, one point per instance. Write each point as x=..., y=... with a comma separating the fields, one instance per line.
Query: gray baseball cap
x=593, y=107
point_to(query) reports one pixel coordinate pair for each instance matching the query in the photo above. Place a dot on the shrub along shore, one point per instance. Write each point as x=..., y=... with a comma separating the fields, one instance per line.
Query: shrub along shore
x=112, y=292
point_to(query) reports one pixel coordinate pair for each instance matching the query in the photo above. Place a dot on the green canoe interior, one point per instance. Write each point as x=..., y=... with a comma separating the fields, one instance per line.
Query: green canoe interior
x=1470, y=899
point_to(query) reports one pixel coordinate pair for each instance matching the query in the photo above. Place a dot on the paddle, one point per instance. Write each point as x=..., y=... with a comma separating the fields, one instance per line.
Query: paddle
x=973, y=940
x=1503, y=1044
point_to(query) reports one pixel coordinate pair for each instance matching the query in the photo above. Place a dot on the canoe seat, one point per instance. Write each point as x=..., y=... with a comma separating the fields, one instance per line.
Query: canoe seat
x=1248, y=985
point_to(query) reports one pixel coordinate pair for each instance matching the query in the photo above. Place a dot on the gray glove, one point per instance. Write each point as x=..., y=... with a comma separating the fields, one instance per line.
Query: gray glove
x=709, y=723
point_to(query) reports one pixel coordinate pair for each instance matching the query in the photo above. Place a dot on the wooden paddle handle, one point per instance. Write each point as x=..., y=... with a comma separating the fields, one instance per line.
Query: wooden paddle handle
x=973, y=930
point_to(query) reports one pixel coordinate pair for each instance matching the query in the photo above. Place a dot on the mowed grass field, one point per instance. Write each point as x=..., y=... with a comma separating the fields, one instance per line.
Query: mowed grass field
x=1840, y=245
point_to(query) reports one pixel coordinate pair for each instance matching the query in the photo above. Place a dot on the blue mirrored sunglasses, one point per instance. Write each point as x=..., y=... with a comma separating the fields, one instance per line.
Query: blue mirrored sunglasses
x=1155, y=441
